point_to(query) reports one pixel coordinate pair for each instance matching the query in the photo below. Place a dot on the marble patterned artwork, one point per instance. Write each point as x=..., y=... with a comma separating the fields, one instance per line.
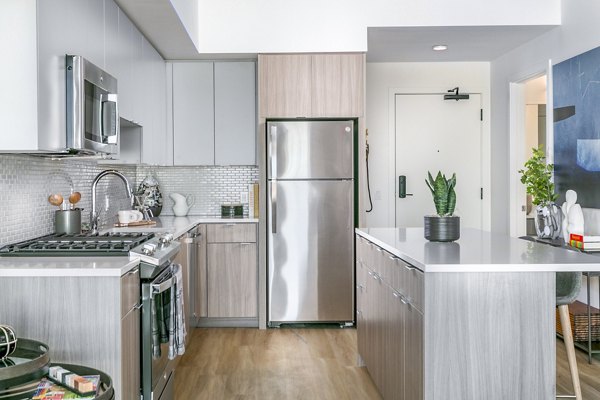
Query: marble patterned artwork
x=576, y=96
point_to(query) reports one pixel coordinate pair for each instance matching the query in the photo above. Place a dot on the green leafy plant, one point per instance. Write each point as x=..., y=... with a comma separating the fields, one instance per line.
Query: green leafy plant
x=537, y=178
x=444, y=196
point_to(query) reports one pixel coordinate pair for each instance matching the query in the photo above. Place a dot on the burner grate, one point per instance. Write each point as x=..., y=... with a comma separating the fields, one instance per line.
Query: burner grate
x=107, y=244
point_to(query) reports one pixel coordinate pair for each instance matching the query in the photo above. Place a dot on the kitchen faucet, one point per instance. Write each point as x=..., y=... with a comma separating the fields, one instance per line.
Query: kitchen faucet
x=94, y=213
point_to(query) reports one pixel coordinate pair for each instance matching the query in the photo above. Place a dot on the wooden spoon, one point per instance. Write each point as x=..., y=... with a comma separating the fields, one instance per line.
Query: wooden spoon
x=55, y=199
x=74, y=198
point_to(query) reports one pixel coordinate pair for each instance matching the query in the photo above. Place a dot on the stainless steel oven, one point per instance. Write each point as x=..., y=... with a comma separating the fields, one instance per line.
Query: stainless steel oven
x=92, y=108
x=157, y=371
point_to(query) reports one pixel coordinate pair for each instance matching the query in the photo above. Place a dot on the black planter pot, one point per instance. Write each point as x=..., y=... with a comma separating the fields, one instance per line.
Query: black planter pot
x=442, y=229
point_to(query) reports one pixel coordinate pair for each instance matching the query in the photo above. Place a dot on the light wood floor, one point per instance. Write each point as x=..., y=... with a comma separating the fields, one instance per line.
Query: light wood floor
x=223, y=364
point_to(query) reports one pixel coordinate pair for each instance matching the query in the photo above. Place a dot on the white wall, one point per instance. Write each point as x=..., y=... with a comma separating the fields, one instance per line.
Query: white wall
x=578, y=33
x=264, y=26
x=384, y=79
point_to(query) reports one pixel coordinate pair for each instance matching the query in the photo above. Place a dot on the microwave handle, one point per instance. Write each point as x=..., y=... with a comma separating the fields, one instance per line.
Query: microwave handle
x=108, y=120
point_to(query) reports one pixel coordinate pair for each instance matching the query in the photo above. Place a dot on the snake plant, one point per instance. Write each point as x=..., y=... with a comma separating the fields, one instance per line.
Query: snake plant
x=444, y=196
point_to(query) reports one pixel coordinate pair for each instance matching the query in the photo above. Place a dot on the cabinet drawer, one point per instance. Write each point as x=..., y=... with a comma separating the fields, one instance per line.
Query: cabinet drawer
x=223, y=233
x=408, y=281
x=130, y=290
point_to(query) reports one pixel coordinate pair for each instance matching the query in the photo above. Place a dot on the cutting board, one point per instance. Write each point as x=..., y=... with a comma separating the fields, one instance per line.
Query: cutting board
x=136, y=223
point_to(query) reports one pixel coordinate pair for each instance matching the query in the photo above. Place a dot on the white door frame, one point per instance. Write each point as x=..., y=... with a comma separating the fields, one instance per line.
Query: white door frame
x=517, y=195
x=485, y=150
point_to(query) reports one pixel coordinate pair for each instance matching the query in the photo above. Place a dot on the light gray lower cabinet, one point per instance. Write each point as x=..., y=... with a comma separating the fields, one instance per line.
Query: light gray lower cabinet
x=227, y=278
x=390, y=327
x=86, y=320
x=232, y=285
x=130, y=362
x=201, y=292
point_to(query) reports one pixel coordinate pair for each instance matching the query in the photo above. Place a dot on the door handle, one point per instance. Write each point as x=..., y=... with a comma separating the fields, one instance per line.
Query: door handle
x=273, y=207
x=402, y=187
x=108, y=119
x=273, y=152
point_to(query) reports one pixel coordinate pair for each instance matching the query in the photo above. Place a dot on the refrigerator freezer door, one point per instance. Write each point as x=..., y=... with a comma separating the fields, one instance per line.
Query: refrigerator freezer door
x=311, y=251
x=310, y=149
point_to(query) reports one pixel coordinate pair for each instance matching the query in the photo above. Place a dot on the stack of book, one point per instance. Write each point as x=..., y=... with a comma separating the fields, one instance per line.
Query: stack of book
x=585, y=243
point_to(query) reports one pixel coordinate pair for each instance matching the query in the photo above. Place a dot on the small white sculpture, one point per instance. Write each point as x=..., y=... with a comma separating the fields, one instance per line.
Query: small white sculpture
x=571, y=197
x=575, y=220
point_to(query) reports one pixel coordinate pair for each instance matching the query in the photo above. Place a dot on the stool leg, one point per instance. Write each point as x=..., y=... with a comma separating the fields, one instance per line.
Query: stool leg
x=570, y=347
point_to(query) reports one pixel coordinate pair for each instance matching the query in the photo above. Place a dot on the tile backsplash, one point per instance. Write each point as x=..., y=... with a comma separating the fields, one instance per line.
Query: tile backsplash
x=210, y=186
x=27, y=181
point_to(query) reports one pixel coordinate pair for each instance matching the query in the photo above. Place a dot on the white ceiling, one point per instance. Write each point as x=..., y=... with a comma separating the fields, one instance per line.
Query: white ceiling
x=159, y=22
x=465, y=43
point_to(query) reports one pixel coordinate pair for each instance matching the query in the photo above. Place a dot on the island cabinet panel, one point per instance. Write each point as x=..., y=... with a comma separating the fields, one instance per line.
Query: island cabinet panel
x=491, y=334
x=454, y=335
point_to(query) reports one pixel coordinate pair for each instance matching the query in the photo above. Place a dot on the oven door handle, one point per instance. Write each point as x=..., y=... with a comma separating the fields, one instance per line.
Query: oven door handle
x=162, y=283
x=158, y=288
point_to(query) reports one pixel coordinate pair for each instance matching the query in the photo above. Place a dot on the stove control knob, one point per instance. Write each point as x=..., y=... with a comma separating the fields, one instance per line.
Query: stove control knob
x=165, y=239
x=149, y=249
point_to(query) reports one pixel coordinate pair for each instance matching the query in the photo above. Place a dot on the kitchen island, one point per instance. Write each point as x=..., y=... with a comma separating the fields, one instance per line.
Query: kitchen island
x=473, y=319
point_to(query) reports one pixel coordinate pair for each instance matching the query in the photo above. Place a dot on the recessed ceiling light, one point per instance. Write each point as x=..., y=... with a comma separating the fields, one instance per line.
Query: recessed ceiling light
x=440, y=47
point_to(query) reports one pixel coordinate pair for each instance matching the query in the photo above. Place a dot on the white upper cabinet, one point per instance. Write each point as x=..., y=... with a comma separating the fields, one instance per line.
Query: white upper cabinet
x=214, y=113
x=235, y=113
x=100, y=32
x=193, y=114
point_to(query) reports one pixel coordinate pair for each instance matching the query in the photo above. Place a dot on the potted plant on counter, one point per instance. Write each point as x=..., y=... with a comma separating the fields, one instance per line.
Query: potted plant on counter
x=445, y=226
x=537, y=178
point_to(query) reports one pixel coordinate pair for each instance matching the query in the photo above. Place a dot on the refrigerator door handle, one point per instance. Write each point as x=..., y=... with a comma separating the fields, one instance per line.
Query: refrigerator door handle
x=273, y=138
x=273, y=207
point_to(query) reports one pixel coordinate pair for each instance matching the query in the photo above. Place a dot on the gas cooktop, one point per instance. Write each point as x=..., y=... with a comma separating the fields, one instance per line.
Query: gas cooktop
x=89, y=244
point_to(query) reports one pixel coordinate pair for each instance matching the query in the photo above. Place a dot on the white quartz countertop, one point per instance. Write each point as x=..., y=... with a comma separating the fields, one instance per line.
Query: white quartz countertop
x=180, y=225
x=478, y=251
x=104, y=266
x=65, y=266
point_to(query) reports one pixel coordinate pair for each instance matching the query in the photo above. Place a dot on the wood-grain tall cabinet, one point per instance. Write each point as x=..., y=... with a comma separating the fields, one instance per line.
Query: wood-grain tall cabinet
x=330, y=85
x=311, y=85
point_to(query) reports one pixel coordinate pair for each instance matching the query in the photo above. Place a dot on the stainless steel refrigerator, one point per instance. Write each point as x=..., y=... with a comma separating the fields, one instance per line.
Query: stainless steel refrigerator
x=310, y=196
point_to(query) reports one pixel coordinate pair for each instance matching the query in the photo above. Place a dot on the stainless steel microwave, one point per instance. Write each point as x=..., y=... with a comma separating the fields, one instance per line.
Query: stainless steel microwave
x=92, y=109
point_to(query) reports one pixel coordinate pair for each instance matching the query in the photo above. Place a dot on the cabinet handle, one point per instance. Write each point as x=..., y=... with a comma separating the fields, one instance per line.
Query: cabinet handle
x=379, y=249
x=247, y=243
x=361, y=287
x=409, y=267
x=358, y=312
x=132, y=272
x=393, y=258
x=138, y=306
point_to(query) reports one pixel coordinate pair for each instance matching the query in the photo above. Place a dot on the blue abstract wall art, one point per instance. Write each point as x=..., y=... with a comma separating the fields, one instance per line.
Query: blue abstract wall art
x=576, y=96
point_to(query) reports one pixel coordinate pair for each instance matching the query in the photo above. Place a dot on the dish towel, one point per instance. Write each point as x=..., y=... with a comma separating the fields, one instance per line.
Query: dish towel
x=177, y=330
x=160, y=308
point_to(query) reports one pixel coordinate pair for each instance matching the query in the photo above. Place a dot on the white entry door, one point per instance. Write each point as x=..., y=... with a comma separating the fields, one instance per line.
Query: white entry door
x=433, y=134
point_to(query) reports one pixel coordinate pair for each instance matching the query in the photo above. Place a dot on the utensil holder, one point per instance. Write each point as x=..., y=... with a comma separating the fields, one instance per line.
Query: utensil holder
x=67, y=221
